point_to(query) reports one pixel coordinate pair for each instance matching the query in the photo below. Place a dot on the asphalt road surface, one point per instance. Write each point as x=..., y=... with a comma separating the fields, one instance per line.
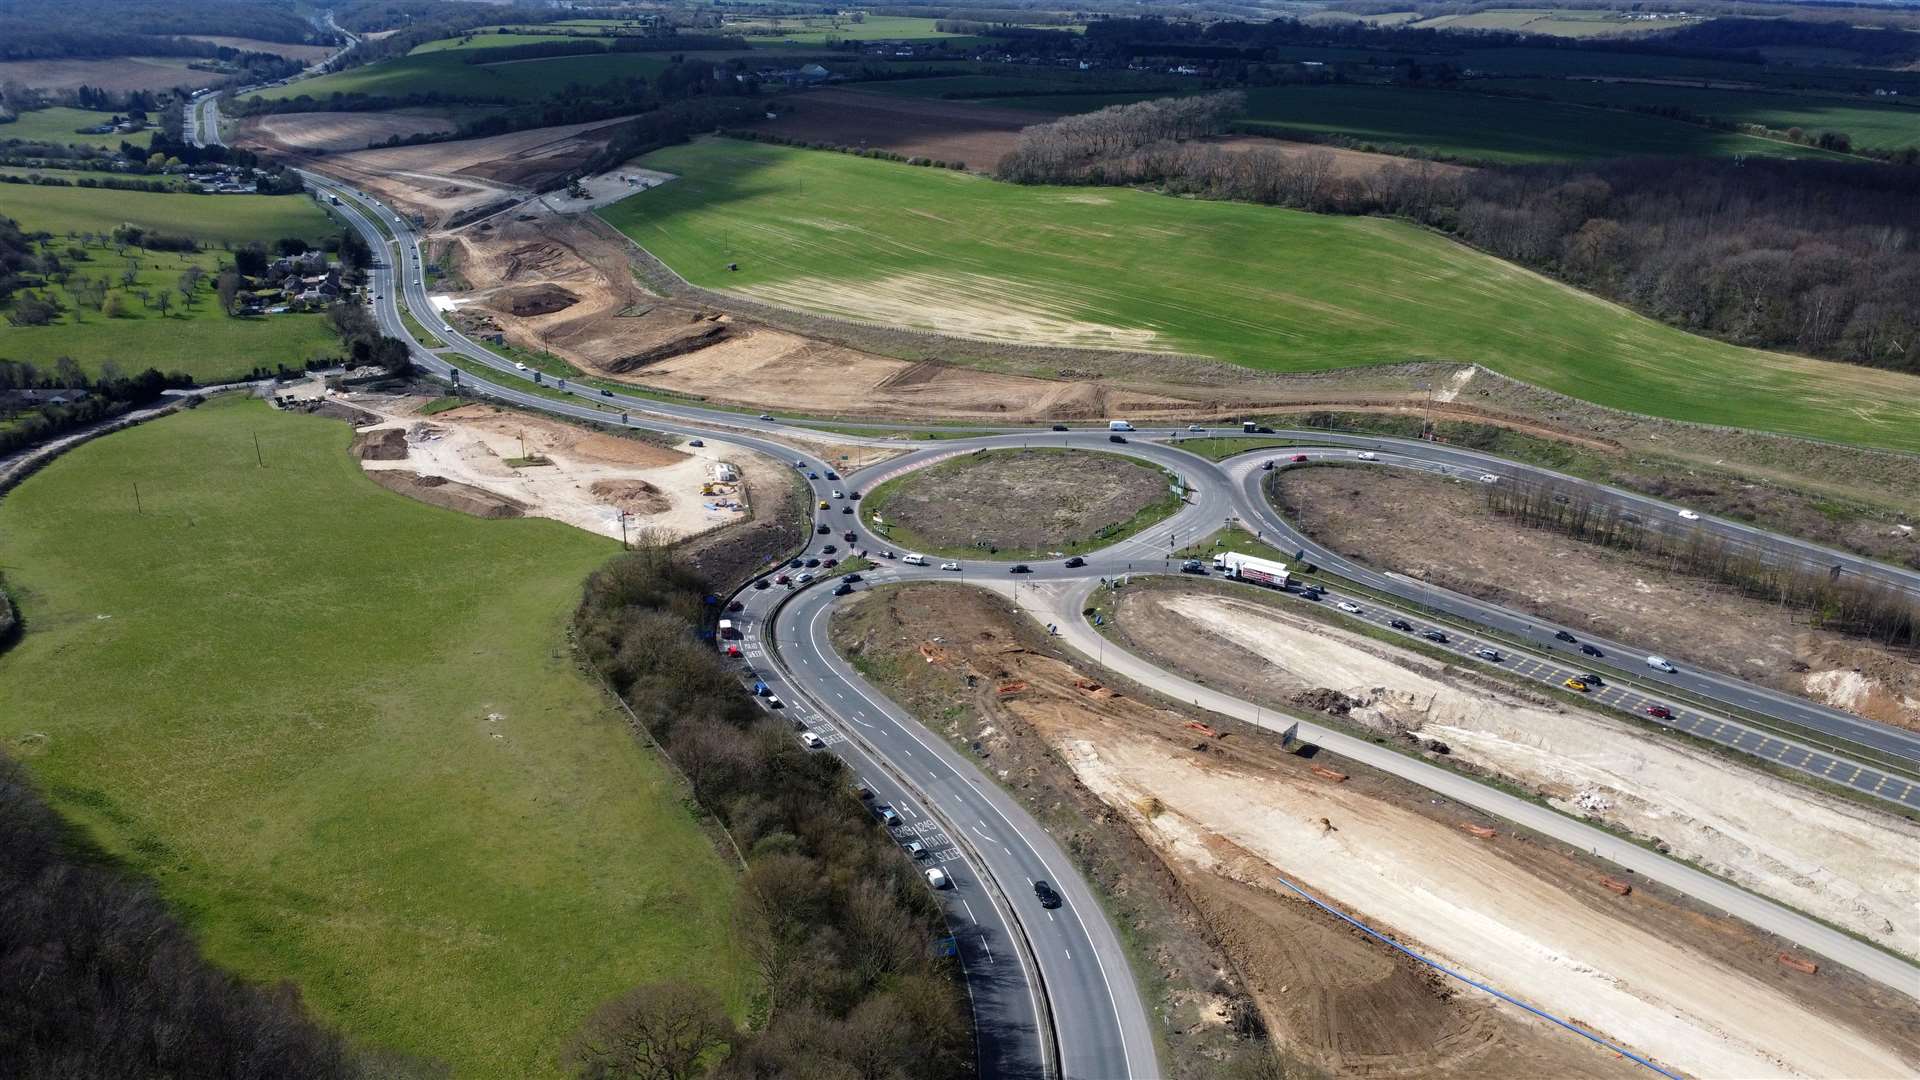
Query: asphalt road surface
x=1052, y=984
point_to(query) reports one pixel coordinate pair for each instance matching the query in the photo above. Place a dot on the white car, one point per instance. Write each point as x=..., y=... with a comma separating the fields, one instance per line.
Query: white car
x=811, y=741
x=1351, y=609
x=1367, y=455
x=1195, y=427
x=936, y=877
x=1661, y=663
x=949, y=566
x=916, y=849
x=1688, y=515
x=806, y=579
x=1489, y=478
x=520, y=367
x=1489, y=654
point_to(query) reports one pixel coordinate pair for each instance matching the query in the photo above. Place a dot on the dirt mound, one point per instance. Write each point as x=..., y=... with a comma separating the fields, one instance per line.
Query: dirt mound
x=386, y=444
x=439, y=491
x=633, y=496
x=331, y=132
x=1321, y=699
x=527, y=300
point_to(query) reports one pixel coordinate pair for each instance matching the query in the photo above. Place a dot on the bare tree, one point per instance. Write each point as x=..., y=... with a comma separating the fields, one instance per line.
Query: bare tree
x=655, y=1031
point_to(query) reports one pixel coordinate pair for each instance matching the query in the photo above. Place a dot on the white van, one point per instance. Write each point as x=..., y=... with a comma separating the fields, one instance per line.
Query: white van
x=1119, y=425
x=914, y=560
x=1660, y=663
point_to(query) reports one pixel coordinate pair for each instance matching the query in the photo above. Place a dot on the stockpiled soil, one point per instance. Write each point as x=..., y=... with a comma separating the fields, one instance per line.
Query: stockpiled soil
x=1268, y=288
x=349, y=749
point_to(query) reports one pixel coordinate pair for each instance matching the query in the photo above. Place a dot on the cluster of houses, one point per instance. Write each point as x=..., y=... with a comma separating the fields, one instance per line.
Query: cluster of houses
x=308, y=282
x=223, y=179
x=23, y=399
x=804, y=75
x=124, y=125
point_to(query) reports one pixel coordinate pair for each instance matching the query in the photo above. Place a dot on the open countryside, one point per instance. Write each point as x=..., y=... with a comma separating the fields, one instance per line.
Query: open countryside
x=348, y=743
x=1266, y=288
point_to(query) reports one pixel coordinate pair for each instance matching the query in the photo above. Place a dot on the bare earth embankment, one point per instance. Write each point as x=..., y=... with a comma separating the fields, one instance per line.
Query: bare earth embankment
x=1390, y=519
x=1695, y=991
x=331, y=132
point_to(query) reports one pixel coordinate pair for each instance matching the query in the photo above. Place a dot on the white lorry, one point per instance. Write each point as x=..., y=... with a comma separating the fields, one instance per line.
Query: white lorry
x=1119, y=425
x=1248, y=568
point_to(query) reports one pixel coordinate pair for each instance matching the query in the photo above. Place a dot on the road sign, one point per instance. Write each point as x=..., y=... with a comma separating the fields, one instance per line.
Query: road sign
x=1292, y=732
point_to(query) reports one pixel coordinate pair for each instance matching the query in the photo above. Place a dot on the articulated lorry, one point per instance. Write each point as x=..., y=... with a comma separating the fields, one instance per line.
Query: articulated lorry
x=1247, y=568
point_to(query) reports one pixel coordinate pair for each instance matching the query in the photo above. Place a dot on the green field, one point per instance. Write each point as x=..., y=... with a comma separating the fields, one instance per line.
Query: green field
x=1871, y=123
x=211, y=219
x=483, y=41
x=1555, y=23
x=1259, y=286
x=351, y=751
x=1482, y=127
x=445, y=73
x=60, y=124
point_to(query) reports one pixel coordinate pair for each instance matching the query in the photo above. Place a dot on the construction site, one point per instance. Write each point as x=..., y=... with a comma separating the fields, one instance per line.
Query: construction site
x=1230, y=814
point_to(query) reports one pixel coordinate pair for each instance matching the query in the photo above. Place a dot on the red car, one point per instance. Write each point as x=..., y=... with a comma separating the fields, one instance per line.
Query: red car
x=1299, y=457
x=781, y=580
x=1660, y=712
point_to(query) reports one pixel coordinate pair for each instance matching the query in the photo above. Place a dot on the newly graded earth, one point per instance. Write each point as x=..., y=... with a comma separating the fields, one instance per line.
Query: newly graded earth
x=1019, y=502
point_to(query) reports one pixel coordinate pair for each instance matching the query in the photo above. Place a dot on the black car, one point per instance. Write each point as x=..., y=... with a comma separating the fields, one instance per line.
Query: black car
x=848, y=536
x=850, y=578
x=760, y=584
x=854, y=495
x=1048, y=897
x=831, y=475
x=1059, y=427
x=1192, y=566
x=736, y=606
x=606, y=393
x=1020, y=568
x=842, y=589
x=1117, y=438
x=846, y=509
x=1562, y=635
x=829, y=549
x=824, y=529
x=1434, y=635
x=1076, y=561
x=831, y=563
x=1592, y=650
x=797, y=563
x=1401, y=624
x=811, y=563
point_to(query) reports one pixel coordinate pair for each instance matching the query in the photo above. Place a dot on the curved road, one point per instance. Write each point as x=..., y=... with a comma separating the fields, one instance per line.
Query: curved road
x=1051, y=988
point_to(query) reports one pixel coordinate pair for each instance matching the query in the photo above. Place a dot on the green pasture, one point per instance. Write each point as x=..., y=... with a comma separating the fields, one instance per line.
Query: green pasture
x=445, y=72
x=1258, y=286
x=61, y=125
x=344, y=735
x=1875, y=123
x=211, y=219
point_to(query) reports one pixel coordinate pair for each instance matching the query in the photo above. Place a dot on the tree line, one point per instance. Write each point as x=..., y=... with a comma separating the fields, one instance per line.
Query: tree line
x=1072, y=148
x=97, y=978
x=1812, y=256
x=1831, y=598
x=838, y=924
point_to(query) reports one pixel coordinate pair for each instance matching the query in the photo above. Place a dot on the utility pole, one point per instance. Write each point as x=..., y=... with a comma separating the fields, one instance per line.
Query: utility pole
x=136, y=500
x=257, y=457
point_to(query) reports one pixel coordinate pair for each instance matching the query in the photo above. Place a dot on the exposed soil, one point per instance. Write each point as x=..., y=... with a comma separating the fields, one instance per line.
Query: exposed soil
x=1224, y=815
x=1390, y=519
x=118, y=74
x=1019, y=500
x=1854, y=867
x=550, y=469
x=439, y=491
x=976, y=135
x=529, y=300
x=306, y=54
x=1344, y=163
x=331, y=132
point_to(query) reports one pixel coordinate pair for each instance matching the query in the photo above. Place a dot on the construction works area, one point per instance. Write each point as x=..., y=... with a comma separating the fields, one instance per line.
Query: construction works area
x=1228, y=811
x=500, y=463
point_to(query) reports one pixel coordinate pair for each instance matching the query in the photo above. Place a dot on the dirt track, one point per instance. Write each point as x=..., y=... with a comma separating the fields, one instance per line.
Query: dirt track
x=1693, y=989
x=1389, y=518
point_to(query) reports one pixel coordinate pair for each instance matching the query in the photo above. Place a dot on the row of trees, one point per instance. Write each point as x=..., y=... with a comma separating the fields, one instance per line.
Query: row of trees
x=1817, y=257
x=837, y=922
x=109, y=394
x=1831, y=598
x=1064, y=150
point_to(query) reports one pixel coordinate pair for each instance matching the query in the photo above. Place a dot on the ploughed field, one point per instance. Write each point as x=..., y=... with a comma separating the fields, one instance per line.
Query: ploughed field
x=1267, y=288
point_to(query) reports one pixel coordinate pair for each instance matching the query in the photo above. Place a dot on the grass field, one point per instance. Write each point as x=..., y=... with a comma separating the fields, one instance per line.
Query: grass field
x=1871, y=123
x=273, y=692
x=1259, y=286
x=211, y=219
x=60, y=125
x=444, y=72
x=1487, y=128
x=1555, y=23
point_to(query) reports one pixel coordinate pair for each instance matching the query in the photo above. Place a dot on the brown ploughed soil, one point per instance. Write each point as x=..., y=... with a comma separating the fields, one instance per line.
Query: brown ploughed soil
x=1223, y=816
x=1342, y=162
x=306, y=54
x=977, y=135
x=1020, y=499
x=1440, y=530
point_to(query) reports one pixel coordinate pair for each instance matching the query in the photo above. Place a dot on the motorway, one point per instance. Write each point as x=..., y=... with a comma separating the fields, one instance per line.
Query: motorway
x=1052, y=989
